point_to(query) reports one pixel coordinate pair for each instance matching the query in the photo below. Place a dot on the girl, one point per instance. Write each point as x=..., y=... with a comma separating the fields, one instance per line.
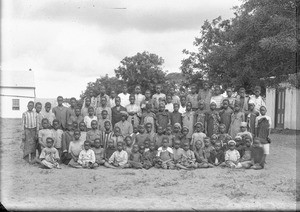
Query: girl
x=75, y=148
x=232, y=156
x=198, y=135
x=212, y=120
x=225, y=114
x=49, y=156
x=44, y=133
x=134, y=111
x=169, y=105
x=243, y=130
x=177, y=131
x=217, y=97
x=251, y=116
x=188, y=119
x=162, y=116
x=236, y=119
x=87, y=156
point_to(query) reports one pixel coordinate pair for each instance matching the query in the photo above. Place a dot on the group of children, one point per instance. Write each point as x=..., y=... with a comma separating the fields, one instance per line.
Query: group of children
x=200, y=130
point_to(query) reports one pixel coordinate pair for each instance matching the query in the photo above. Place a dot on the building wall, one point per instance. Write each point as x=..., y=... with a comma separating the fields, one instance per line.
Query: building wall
x=270, y=104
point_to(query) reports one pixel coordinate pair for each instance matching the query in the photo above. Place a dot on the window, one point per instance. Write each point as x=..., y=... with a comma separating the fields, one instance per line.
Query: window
x=16, y=104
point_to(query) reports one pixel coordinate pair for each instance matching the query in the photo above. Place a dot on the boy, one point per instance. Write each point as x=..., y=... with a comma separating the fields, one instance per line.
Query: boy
x=138, y=96
x=49, y=156
x=146, y=101
x=116, y=111
x=85, y=107
x=246, y=158
x=48, y=114
x=205, y=95
x=124, y=125
x=257, y=155
x=242, y=100
x=106, y=134
x=207, y=149
x=230, y=98
x=88, y=119
x=149, y=156
x=225, y=114
x=135, y=158
x=169, y=106
x=165, y=156
x=157, y=96
x=44, y=134
x=175, y=98
x=199, y=155
x=223, y=137
x=184, y=138
x=71, y=109
x=77, y=117
x=188, y=159
x=134, y=111
x=60, y=113
x=67, y=137
x=175, y=116
x=74, y=150
x=251, y=117
x=158, y=137
x=112, y=98
x=149, y=117
x=110, y=149
x=87, y=156
x=217, y=97
x=99, y=153
x=57, y=136
x=102, y=107
x=102, y=91
x=119, y=158
x=193, y=97
x=257, y=98
x=94, y=133
x=178, y=152
x=198, y=135
x=162, y=117
x=124, y=96
x=102, y=119
x=217, y=157
x=169, y=135
x=128, y=144
x=182, y=107
x=141, y=137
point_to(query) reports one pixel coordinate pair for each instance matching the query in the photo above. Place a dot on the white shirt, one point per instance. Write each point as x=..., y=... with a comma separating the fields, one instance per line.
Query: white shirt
x=258, y=102
x=87, y=120
x=86, y=156
x=232, y=155
x=124, y=99
x=218, y=99
x=170, y=107
x=139, y=98
x=182, y=110
x=160, y=150
x=119, y=157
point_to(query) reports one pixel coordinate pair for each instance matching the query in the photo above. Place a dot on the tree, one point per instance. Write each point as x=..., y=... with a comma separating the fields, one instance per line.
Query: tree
x=257, y=46
x=143, y=69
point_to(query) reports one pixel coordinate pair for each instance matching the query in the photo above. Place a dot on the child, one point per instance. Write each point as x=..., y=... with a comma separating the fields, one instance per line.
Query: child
x=128, y=144
x=103, y=107
x=243, y=130
x=57, y=136
x=246, y=158
x=239, y=145
x=82, y=130
x=87, y=156
x=198, y=135
x=102, y=119
x=184, y=138
x=146, y=144
x=188, y=119
x=257, y=155
x=178, y=152
x=263, y=129
x=102, y=91
x=162, y=117
x=94, y=133
x=207, y=149
x=251, y=116
x=135, y=158
x=214, y=139
x=112, y=98
x=48, y=114
x=71, y=109
x=99, y=153
x=106, y=134
x=67, y=137
x=124, y=96
x=217, y=156
x=140, y=138
x=116, y=111
x=124, y=125
x=149, y=131
x=119, y=158
x=158, y=95
x=201, y=113
x=242, y=100
x=188, y=159
x=225, y=114
x=85, y=107
x=236, y=119
x=117, y=136
x=158, y=137
x=88, y=119
x=134, y=111
x=232, y=156
x=75, y=148
x=165, y=156
x=148, y=116
x=217, y=97
x=230, y=98
x=257, y=99
x=138, y=96
x=175, y=116
x=146, y=101
x=169, y=135
x=212, y=120
x=149, y=156
x=109, y=150
x=49, y=156
x=177, y=131
x=182, y=107
x=193, y=97
x=44, y=133
x=77, y=117
x=169, y=105
x=199, y=155
x=223, y=137
x=134, y=133
x=175, y=98
x=205, y=94
x=60, y=113
x=39, y=115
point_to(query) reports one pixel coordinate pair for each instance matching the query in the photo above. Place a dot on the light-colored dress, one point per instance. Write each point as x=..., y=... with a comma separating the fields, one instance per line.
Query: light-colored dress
x=49, y=157
x=236, y=120
x=134, y=119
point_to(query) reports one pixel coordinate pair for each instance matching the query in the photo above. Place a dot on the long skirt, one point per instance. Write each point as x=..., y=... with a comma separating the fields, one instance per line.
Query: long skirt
x=29, y=141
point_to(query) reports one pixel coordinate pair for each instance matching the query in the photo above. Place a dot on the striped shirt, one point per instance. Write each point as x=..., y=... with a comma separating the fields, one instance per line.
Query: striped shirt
x=29, y=119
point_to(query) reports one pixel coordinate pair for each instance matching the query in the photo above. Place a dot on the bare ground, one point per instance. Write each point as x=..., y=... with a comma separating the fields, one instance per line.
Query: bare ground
x=24, y=186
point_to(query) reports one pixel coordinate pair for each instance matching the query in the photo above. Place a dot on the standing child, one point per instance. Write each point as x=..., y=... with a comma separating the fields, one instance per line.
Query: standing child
x=162, y=117
x=112, y=98
x=106, y=134
x=184, y=138
x=169, y=135
x=48, y=114
x=119, y=158
x=198, y=135
x=217, y=97
x=188, y=159
x=117, y=136
x=124, y=96
x=225, y=114
x=87, y=156
x=67, y=137
x=39, y=115
x=138, y=96
x=99, y=153
x=212, y=120
x=251, y=117
x=188, y=119
x=149, y=132
x=263, y=129
x=60, y=113
x=49, y=156
x=134, y=111
x=44, y=134
x=85, y=107
x=182, y=107
x=236, y=119
x=205, y=94
x=148, y=117
x=193, y=97
x=141, y=137
x=94, y=133
x=57, y=136
x=175, y=98
x=232, y=156
x=135, y=158
x=169, y=105
x=88, y=119
x=217, y=157
x=128, y=144
x=243, y=130
x=82, y=130
x=103, y=106
x=230, y=98
x=77, y=117
x=242, y=100
x=223, y=137
x=75, y=148
x=165, y=156
x=175, y=116
x=257, y=98
x=71, y=109
x=158, y=95
x=146, y=101
x=103, y=119
x=116, y=111
x=149, y=156
x=201, y=113
x=124, y=125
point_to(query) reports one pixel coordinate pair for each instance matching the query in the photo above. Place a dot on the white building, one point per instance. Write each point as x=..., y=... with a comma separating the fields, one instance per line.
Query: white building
x=17, y=88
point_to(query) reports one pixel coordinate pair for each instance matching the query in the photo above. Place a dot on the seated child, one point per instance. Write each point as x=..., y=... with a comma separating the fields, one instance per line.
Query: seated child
x=135, y=158
x=67, y=137
x=207, y=149
x=128, y=144
x=217, y=157
x=119, y=158
x=87, y=156
x=99, y=153
x=178, y=152
x=94, y=133
x=232, y=156
x=75, y=148
x=188, y=159
x=199, y=155
x=165, y=156
x=177, y=131
x=146, y=144
x=82, y=129
x=149, y=131
x=49, y=156
x=140, y=138
x=149, y=156
x=109, y=150
x=246, y=158
x=134, y=133
x=257, y=155
x=198, y=135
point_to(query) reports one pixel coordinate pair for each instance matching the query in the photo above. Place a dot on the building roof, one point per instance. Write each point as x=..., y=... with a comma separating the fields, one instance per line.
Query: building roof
x=20, y=78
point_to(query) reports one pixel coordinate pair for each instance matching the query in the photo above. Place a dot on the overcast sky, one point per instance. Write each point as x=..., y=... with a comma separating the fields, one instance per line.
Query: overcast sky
x=68, y=43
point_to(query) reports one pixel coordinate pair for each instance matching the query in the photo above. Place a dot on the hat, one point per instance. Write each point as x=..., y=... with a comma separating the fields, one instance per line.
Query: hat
x=213, y=102
x=177, y=125
x=238, y=137
x=231, y=141
x=244, y=124
x=124, y=113
x=198, y=123
x=185, y=127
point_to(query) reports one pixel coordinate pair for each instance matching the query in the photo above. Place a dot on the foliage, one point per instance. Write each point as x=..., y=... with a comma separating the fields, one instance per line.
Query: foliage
x=143, y=69
x=257, y=46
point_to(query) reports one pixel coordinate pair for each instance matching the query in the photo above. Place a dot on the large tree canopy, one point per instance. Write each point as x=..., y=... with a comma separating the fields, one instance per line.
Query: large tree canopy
x=143, y=69
x=258, y=43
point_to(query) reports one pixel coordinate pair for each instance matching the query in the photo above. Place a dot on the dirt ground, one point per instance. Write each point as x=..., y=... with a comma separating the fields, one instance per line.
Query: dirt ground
x=26, y=187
